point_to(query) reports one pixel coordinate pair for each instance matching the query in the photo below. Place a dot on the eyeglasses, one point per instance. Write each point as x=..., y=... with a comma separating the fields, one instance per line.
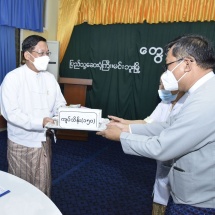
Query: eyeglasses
x=42, y=53
x=167, y=64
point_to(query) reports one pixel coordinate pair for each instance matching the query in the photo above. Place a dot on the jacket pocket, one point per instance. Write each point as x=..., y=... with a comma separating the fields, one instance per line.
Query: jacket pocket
x=182, y=185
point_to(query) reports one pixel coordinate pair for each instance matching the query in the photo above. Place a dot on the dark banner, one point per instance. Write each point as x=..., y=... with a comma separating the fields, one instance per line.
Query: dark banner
x=125, y=63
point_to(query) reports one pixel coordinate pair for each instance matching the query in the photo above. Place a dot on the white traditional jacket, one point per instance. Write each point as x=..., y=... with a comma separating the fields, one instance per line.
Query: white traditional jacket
x=26, y=97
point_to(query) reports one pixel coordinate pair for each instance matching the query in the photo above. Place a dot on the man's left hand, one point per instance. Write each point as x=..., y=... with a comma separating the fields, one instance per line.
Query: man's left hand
x=112, y=132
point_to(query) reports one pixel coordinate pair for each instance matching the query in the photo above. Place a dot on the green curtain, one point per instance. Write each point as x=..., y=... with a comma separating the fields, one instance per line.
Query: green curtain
x=125, y=63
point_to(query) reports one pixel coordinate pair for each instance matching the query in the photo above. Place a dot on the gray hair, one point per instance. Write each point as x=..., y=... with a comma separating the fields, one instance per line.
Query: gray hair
x=193, y=46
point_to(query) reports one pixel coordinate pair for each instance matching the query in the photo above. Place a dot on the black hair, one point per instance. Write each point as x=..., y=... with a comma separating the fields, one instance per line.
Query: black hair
x=30, y=42
x=195, y=46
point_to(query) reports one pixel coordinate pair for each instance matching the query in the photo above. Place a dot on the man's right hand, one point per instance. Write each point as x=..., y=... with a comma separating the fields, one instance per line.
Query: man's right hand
x=47, y=120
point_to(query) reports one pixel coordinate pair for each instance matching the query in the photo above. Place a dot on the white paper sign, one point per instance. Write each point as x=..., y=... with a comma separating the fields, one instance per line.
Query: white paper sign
x=79, y=118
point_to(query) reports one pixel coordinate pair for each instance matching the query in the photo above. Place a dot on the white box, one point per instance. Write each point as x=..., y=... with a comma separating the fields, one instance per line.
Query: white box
x=79, y=118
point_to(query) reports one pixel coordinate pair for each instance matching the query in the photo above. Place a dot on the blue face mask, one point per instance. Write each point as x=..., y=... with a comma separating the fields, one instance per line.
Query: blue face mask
x=166, y=96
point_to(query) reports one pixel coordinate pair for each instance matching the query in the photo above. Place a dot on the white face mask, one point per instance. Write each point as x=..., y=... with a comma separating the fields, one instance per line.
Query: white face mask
x=41, y=63
x=169, y=81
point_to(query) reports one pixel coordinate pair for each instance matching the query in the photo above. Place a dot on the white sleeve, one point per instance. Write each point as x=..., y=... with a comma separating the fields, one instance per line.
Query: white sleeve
x=156, y=115
x=10, y=109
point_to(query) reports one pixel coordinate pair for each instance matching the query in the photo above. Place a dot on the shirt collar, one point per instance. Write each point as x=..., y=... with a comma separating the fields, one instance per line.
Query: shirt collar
x=31, y=72
x=201, y=81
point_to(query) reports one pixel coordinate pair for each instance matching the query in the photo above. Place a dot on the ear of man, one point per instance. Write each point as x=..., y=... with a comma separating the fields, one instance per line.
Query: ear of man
x=27, y=55
x=189, y=64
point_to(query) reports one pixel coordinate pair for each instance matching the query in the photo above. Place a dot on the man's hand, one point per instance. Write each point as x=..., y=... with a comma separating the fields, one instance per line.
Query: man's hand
x=120, y=120
x=112, y=133
x=122, y=127
x=116, y=119
x=47, y=120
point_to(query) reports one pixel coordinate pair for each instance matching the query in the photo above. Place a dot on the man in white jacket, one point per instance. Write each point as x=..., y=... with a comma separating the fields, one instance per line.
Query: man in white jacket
x=30, y=96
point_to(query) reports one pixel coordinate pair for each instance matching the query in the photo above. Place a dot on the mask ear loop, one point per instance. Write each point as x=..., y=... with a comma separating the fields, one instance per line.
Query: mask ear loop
x=182, y=77
x=31, y=56
x=184, y=73
x=177, y=65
